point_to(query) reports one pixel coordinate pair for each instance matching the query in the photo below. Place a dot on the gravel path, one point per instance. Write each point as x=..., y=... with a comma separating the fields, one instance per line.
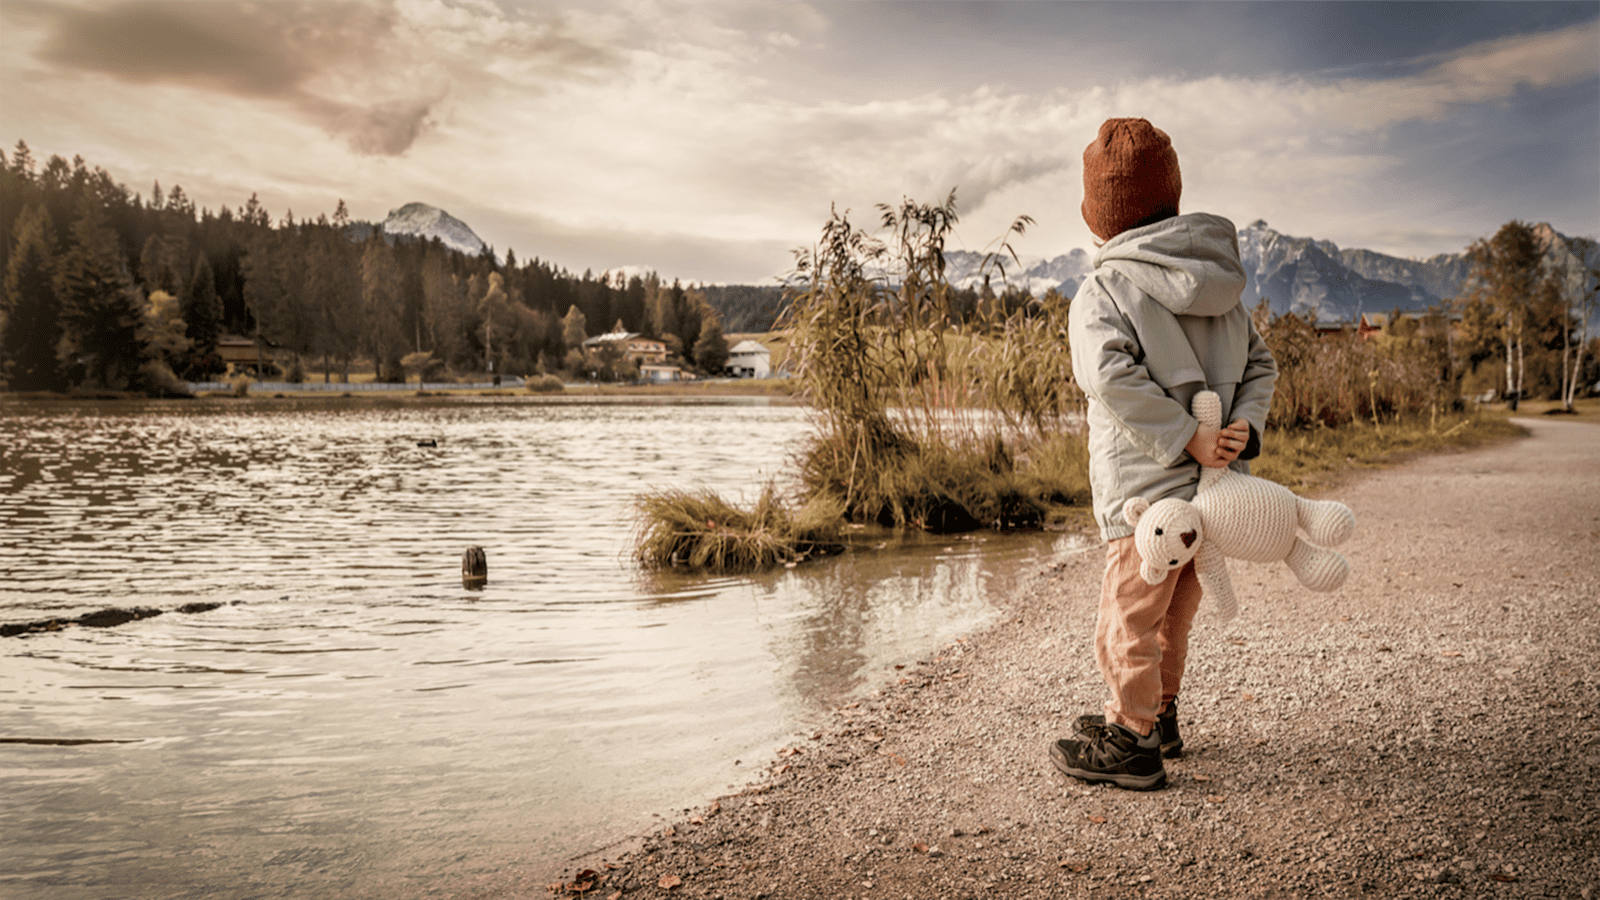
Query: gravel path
x=1428, y=731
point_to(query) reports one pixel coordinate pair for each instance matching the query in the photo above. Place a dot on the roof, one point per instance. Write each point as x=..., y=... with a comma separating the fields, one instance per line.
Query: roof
x=747, y=347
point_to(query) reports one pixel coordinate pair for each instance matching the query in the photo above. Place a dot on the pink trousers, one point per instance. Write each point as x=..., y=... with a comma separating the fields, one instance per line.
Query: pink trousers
x=1141, y=640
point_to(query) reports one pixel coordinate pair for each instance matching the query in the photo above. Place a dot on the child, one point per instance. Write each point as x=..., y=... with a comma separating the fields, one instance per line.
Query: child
x=1158, y=320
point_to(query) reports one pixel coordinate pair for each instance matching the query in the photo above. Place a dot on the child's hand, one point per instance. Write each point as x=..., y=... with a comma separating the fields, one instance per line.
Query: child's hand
x=1215, y=447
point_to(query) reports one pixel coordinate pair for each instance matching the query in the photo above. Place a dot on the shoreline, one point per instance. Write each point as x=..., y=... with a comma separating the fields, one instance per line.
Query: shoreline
x=1429, y=730
x=771, y=391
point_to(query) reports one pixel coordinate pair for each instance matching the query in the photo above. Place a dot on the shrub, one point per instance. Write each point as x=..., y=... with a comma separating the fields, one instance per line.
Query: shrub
x=545, y=384
x=1337, y=379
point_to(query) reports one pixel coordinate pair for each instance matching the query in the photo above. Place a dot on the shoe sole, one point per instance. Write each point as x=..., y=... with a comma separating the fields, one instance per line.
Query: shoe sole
x=1131, y=782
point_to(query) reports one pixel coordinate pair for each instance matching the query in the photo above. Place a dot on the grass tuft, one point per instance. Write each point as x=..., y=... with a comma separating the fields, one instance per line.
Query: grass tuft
x=700, y=530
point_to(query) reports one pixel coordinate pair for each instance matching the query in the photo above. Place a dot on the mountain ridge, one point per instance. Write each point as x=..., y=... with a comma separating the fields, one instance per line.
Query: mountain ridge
x=1312, y=278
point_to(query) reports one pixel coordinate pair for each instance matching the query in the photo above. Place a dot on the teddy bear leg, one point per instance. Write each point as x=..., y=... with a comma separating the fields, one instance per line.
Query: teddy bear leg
x=1318, y=568
x=1327, y=523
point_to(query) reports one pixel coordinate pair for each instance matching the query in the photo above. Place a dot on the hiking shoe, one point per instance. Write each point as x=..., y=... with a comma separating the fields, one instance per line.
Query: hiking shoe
x=1114, y=755
x=1166, y=720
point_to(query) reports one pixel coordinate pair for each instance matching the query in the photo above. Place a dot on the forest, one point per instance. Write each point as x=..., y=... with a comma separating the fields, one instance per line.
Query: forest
x=105, y=289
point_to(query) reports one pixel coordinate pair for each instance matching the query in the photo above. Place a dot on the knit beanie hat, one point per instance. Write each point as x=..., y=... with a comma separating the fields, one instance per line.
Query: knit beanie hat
x=1130, y=177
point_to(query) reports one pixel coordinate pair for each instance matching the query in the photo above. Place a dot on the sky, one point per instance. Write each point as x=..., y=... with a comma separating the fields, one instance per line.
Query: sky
x=708, y=141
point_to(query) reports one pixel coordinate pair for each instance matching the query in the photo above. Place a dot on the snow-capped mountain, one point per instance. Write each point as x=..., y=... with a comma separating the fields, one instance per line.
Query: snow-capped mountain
x=965, y=269
x=424, y=222
x=1312, y=278
x=1317, y=280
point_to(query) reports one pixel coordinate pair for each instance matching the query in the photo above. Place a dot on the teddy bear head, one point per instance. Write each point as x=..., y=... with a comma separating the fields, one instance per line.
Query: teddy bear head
x=1166, y=533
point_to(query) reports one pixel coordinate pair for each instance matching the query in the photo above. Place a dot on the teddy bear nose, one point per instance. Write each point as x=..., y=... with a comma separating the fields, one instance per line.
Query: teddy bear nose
x=1189, y=538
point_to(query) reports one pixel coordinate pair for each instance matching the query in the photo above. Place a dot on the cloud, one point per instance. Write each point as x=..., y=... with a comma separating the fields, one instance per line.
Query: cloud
x=372, y=74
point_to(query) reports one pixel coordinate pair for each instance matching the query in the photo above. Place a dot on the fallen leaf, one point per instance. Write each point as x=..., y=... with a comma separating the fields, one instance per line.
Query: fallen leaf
x=1098, y=820
x=920, y=847
x=874, y=738
x=1249, y=696
x=1078, y=867
x=779, y=770
x=668, y=882
x=697, y=821
x=1502, y=876
x=1451, y=653
x=1216, y=798
x=1201, y=776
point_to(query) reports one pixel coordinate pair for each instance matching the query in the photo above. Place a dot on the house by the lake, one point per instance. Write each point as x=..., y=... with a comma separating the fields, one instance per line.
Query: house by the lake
x=642, y=350
x=748, y=359
x=245, y=355
x=659, y=373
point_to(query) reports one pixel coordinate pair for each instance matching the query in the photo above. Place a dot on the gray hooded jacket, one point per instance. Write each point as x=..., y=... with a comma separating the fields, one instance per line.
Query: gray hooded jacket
x=1158, y=321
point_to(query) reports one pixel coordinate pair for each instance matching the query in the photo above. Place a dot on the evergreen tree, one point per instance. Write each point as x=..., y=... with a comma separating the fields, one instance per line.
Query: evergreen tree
x=202, y=317
x=30, y=320
x=100, y=307
x=381, y=284
x=711, y=350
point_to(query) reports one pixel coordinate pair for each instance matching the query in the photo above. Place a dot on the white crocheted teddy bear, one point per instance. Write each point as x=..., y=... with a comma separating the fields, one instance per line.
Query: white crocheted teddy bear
x=1243, y=517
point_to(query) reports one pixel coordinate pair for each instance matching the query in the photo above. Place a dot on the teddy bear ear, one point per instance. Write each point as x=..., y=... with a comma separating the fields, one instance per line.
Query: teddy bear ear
x=1134, y=508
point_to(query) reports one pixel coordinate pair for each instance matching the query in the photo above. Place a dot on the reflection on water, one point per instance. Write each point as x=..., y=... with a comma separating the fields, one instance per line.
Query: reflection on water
x=351, y=721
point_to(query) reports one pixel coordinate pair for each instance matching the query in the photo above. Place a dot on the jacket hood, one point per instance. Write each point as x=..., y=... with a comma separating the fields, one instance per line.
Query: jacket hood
x=1189, y=264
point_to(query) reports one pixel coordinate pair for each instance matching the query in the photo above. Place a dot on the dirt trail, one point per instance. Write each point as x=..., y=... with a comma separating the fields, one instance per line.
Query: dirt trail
x=1429, y=731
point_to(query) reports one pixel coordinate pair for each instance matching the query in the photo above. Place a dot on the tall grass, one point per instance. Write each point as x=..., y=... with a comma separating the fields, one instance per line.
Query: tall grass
x=922, y=420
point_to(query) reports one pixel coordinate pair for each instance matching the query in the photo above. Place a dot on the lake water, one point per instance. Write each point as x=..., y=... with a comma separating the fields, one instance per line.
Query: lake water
x=352, y=721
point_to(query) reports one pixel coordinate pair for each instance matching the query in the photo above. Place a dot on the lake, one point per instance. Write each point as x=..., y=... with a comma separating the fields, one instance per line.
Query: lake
x=351, y=721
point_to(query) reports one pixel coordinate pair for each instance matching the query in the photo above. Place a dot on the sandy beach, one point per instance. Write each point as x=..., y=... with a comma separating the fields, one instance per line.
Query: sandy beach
x=1430, y=730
